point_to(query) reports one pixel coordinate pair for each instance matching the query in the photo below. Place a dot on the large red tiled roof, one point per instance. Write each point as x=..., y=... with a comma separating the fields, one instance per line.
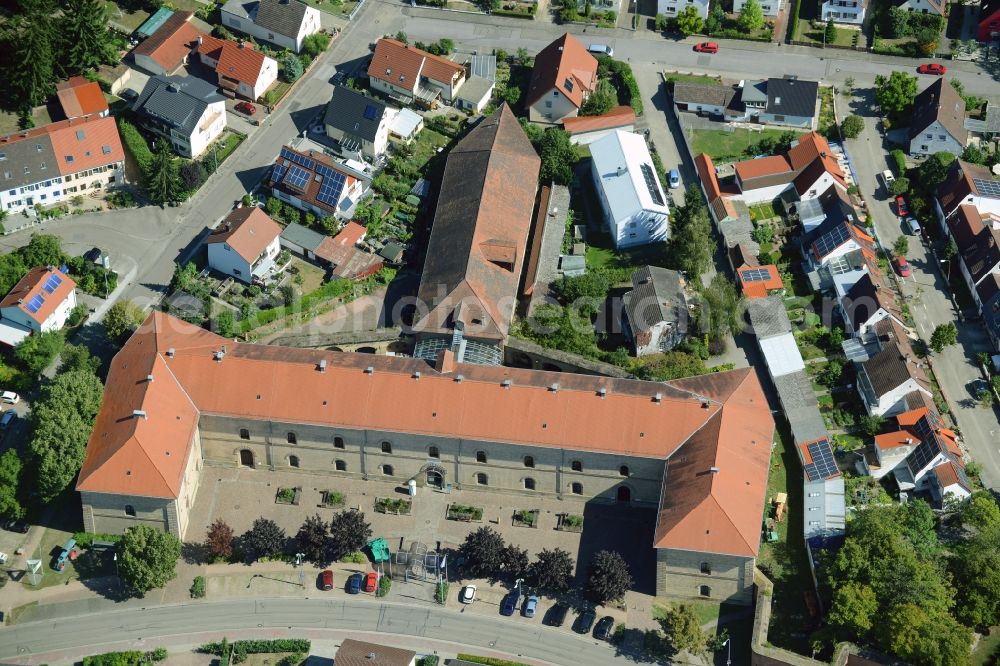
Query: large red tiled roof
x=247, y=230
x=143, y=433
x=33, y=285
x=237, y=61
x=756, y=288
x=171, y=42
x=620, y=116
x=85, y=143
x=401, y=64
x=80, y=97
x=564, y=65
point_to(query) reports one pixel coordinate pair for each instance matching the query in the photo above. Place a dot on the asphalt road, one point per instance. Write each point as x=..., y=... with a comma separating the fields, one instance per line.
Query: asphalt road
x=73, y=637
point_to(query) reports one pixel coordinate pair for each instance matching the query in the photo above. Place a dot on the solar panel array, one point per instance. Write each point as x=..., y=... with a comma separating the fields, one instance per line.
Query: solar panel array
x=823, y=466
x=830, y=241
x=929, y=446
x=654, y=191
x=35, y=303
x=332, y=185
x=755, y=274
x=51, y=284
x=297, y=177
x=301, y=160
x=988, y=188
x=371, y=112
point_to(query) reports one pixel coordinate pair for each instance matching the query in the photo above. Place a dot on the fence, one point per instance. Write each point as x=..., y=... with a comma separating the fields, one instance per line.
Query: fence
x=797, y=42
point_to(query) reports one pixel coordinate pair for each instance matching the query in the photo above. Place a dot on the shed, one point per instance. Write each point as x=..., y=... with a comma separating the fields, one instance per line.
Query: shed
x=475, y=94
x=301, y=240
x=781, y=355
x=153, y=23
x=406, y=125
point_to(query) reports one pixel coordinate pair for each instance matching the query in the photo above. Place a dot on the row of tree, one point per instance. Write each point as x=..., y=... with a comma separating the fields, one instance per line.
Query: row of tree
x=318, y=540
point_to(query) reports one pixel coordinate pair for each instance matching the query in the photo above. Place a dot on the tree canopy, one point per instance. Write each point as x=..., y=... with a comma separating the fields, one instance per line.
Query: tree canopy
x=163, y=179
x=608, y=576
x=10, y=484
x=852, y=126
x=752, y=16
x=896, y=92
x=944, y=335
x=691, y=245
x=682, y=629
x=558, y=156
x=934, y=169
x=147, y=558
x=689, y=21
x=219, y=540
x=552, y=570
x=483, y=551
x=122, y=319
x=263, y=539
x=311, y=538
x=349, y=532
x=37, y=351
x=603, y=99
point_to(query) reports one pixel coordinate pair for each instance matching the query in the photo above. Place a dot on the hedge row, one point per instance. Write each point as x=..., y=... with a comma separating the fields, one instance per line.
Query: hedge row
x=259, y=646
x=136, y=145
x=327, y=291
x=794, y=21
x=624, y=78
x=87, y=539
x=489, y=661
x=520, y=15
x=900, y=157
x=130, y=658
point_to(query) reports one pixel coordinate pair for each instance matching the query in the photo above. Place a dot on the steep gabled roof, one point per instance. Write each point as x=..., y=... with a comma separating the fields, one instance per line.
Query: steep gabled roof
x=171, y=42
x=248, y=230
x=283, y=17
x=941, y=102
x=402, y=65
x=657, y=296
x=792, y=97
x=563, y=65
x=355, y=114
x=866, y=297
x=85, y=143
x=480, y=230
x=237, y=60
x=80, y=97
x=983, y=254
x=39, y=293
x=177, y=101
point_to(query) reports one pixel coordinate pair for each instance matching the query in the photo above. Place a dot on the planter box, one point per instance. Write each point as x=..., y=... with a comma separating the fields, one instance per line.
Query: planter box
x=465, y=514
x=332, y=499
x=392, y=506
x=526, y=518
x=288, y=496
x=569, y=522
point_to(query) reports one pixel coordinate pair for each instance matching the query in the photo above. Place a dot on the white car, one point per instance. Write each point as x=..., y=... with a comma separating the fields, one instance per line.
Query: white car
x=468, y=594
x=888, y=178
x=913, y=225
x=10, y=398
x=3, y=558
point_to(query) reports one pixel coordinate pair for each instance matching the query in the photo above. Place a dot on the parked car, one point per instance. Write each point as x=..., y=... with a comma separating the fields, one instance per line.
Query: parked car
x=602, y=631
x=913, y=225
x=326, y=580
x=888, y=178
x=902, y=267
x=901, y=208
x=371, y=581
x=7, y=418
x=16, y=525
x=354, y=583
x=584, y=622
x=675, y=178
x=556, y=615
x=601, y=49
x=247, y=108
x=10, y=397
x=530, y=606
x=93, y=255
x=509, y=603
x=707, y=47
x=468, y=594
x=932, y=68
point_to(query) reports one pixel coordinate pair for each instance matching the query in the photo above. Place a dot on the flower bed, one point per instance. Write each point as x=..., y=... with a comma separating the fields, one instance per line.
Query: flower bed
x=467, y=514
x=526, y=517
x=287, y=496
x=398, y=507
x=570, y=522
x=333, y=498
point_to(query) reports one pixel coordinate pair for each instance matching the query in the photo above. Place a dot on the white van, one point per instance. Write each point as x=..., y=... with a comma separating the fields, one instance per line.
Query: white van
x=601, y=49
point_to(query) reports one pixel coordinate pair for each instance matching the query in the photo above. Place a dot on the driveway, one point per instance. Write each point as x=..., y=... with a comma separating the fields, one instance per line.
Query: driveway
x=925, y=291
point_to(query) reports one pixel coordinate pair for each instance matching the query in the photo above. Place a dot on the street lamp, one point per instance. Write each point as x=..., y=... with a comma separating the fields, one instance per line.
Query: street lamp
x=729, y=651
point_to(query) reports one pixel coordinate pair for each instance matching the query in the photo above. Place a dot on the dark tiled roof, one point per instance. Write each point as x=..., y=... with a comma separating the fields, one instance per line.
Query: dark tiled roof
x=792, y=97
x=989, y=295
x=302, y=236
x=177, y=101
x=716, y=94
x=656, y=296
x=960, y=183
x=865, y=298
x=27, y=158
x=984, y=254
x=768, y=317
x=965, y=224
x=281, y=16
x=354, y=113
x=890, y=368
x=940, y=102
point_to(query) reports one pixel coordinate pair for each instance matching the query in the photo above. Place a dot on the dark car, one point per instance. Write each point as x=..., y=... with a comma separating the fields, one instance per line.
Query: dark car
x=509, y=603
x=354, y=583
x=246, y=108
x=326, y=580
x=602, y=631
x=584, y=622
x=339, y=78
x=556, y=615
x=93, y=255
x=16, y=525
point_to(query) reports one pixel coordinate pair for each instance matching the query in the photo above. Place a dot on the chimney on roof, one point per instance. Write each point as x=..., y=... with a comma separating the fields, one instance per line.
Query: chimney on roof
x=149, y=378
x=170, y=352
x=506, y=383
x=602, y=392
x=371, y=656
x=621, y=171
x=138, y=413
x=459, y=378
x=200, y=40
x=713, y=470
x=416, y=375
x=370, y=370
x=909, y=440
x=241, y=43
x=705, y=404
x=554, y=386
x=658, y=398
x=322, y=365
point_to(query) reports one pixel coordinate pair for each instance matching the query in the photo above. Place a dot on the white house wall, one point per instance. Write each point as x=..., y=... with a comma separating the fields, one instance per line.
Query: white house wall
x=768, y=194
x=935, y=139
x=552, y=107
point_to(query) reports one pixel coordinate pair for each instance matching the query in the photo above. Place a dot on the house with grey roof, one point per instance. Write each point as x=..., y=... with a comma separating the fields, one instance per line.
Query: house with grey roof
x=185, y=110
x=655, y=316
x=284, y=23
x=792, y=102
x=938, y=121
x=715, y=99
x=360, y=124
x=475, y=94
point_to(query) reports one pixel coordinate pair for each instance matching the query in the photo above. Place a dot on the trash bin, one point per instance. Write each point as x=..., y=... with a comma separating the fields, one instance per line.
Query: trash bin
x=412, y=485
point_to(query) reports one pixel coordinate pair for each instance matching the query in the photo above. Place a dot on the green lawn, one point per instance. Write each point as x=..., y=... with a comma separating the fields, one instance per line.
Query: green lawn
x=52, y=540
x=227, y=144
x=677, y=77
x=600, y=253
x=725, y=145
x=807, y=33
x=8, y=121
x=827, y=117
x=987, y=652
x=763, y=211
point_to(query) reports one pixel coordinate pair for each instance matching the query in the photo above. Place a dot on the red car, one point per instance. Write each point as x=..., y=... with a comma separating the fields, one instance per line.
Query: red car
x=326, y=580
x=932, y=68
x=901, y=208
x=707, y=47
x=371, y=581
x=247, y=108
x=902, y=267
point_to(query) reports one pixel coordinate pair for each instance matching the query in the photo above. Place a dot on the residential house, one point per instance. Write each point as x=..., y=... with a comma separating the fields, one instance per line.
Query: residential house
x=791, y=102
x=758, y=281
x=185, y=110
x=358, y=123
x=629, y=190
x=979, y=258
x=313, y=182
x=769, y=7
x=326, y=415
x=300, y=240
x=405, y=125
x=584, y=130
x=39, y=303
x=407, y=74
x=475, y=94
x=359, y=653
x=889, y=378
x=50, y=164
x=168, y=49
x=244, y=245
x=654, y=313
x=971, y=184
x=672, y=8
x=938, y=121
x=345, y=258
x=867, y=302
x=988, y=294
x=769, y=321
x=936, y=7
x=242, y=70
x=81, y=97
x=714, y=99
x=284, y=23
x=851, y=12
x=988, y=29
x=478, y=242
x=809, y=168
x=753, y=97
x=563, y=77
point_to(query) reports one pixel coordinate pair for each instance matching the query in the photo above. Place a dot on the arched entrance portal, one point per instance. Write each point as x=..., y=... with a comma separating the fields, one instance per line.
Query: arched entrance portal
x=433, y=475
x=246, y=458
x=435, y=478
x=624, y=494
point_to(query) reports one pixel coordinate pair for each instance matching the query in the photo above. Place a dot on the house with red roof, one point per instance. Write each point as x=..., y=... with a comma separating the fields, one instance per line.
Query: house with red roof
x=81, y=97
x=759, y=281
x=313, y=182
x=563, y=77
x=410, y=75
x=245, y=244
x=809, y=168
x=584, y=130
x=40, y=302
x=242, y=70
x=346, y=259
x=168, y=49
x=989, y=21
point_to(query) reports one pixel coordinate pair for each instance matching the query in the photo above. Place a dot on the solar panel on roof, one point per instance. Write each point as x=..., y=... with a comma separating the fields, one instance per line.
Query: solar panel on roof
x=298, y=159
x=51, y=284
x=989, y=188
x=823, y=465
x=35, y=303
x=279, y=171
x=331, y=187
x=830, y=241
x=755, y=274
x=297, y=177
x=650, y=177
x=370, y=111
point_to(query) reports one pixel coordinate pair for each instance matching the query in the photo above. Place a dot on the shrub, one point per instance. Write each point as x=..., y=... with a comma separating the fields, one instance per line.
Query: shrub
x=86, y=539
x=357, y=557
x=900, y=157
x=441, y=593
x=198, y=587
x=384, y=585
x=136, y=145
